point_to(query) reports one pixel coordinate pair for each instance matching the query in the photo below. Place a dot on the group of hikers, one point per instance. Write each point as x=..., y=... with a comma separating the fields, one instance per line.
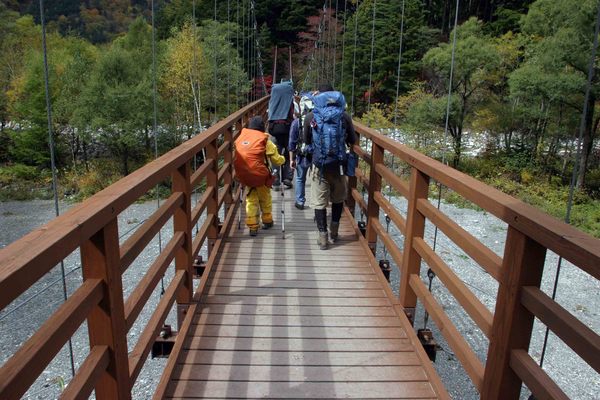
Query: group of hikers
x=311, y=135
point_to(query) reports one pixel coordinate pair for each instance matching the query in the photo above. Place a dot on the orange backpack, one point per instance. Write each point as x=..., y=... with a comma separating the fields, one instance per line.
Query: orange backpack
x=250, y=159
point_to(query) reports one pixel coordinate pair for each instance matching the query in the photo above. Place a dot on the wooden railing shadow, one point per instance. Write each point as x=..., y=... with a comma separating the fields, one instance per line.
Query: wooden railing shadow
x=92, y=227
x=519, y=272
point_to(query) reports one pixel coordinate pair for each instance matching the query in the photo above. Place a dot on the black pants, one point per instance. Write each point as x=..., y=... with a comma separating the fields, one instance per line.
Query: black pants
x=281, y=133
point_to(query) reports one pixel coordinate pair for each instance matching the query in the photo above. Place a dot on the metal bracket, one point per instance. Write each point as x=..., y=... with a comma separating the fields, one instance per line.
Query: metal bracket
x=428, y=342
x=385, y=268
x=410, y=314
x=362, y=227
x=164, y=343
x=199, y=266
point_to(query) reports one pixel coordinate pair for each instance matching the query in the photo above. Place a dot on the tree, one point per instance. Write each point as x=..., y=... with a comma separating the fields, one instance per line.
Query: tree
x=117, y=100
x=417, y=38
x=557, y=59
x=475, y=61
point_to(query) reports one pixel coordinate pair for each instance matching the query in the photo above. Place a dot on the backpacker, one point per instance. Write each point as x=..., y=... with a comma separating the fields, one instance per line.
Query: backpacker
x=328, y=134
x=250, y=162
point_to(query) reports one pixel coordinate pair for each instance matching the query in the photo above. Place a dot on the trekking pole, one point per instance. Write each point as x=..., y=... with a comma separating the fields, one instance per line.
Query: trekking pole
x=282, y=202
x=241, y=206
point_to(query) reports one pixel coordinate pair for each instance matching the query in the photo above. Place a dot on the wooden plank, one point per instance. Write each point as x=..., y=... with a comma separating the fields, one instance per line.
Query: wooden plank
x=471, y=304
x=82, y=384
x=297, y=310
x=297, y=358
x=22, y=369
x=284, y=292
x=393, y=180
x=201, y=235
x=485, y=257
x=295, y=320
x=358, y=198
x=295, y=332
x=292, y=251
x=140, y=295
x=321, y=268
x=584, y=341
x=291, y=284
x=314, y=390
x=294, y=275
x=142, y=236
x=201, y=172
x=389, y=209
x=137, y=357
x=362, y=153
x=540, y=384
x=267, y=373
x=297, y=301
x=463, y=352
x=201, y=205
x=277, y=344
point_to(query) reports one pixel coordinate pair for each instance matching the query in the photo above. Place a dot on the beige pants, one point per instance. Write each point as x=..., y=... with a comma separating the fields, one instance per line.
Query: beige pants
x=330, y=186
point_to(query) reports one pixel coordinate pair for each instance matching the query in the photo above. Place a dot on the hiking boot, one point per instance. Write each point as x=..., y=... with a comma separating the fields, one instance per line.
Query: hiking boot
x=299, y=206
x=267, y=225
x=288, y=183
x=253, y=232
x=276, y=186
x=333, y=231
x=322, y=242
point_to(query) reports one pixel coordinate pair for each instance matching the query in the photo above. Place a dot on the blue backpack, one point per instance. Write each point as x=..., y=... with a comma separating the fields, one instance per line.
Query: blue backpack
x=328, y=133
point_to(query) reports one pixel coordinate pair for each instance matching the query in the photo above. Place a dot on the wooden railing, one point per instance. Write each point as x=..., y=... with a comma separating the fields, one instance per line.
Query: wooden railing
x=91, y=227
x=530, y=233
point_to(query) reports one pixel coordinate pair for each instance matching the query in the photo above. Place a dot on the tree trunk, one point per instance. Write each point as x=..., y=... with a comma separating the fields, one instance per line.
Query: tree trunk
x=588, y=142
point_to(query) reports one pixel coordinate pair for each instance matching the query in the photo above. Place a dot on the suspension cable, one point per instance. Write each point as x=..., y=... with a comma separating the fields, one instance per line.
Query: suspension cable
x=314, y=54
x=154, y=127
x=258, y=54
x=387, y=217
x=214, y=50
x=333, y=78
x=372, y=52
x=582, y=124
x=237, y=50
x=430, y=273
x=354, y=61
x=343, y=44
x=53, y=160
x=228, y=41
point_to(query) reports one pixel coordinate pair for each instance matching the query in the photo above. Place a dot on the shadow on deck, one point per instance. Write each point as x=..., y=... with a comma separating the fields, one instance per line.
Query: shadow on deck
x=280, y=318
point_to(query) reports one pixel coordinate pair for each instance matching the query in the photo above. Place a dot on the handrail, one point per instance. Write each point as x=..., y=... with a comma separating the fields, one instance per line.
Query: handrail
x=92, y=227
x=530, y=234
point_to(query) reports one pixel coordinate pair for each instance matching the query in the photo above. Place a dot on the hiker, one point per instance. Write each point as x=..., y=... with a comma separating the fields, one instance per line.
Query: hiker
x=300, y=159
x=327, y=129
x=253, y=151
x=281, y=114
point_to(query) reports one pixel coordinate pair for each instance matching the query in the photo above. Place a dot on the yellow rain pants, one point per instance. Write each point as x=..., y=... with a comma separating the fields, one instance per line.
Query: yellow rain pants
x=258, y=200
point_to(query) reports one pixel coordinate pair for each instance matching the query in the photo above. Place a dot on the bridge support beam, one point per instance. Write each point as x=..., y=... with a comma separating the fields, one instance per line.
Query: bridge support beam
x=374, y=186
x=523, y=265
x=415, y=228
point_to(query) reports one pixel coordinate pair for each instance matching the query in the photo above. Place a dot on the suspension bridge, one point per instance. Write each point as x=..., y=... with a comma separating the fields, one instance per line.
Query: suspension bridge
x=275, y=317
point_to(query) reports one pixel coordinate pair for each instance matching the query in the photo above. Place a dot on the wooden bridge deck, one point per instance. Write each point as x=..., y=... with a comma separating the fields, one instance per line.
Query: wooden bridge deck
x=283, y=319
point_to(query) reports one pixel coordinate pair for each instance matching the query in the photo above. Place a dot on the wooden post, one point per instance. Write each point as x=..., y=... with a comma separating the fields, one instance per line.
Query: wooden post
x=523, y=265
x=228, y=158
x=182, y=221
x=415, y=227
x=106, y=323
x=352, y=181
x=212, y=208
x=374, y=186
